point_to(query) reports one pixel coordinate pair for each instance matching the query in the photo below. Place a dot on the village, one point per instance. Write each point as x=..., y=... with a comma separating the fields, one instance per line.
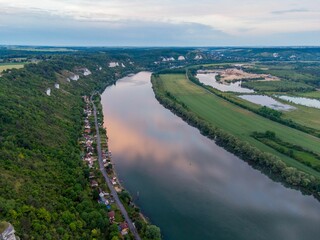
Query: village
x=97, y=183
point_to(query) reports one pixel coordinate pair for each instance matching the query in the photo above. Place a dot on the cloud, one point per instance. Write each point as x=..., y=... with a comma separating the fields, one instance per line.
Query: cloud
x=204, y=21
x=297, y=10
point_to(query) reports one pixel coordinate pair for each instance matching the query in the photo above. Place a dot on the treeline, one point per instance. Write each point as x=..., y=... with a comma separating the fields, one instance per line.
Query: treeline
x=264, y=111
x=268, y=163
x=44, y=186
x=305, y=156
x=278, y=86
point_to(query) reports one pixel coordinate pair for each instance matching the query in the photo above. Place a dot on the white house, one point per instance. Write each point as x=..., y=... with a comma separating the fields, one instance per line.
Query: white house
x=113, y=64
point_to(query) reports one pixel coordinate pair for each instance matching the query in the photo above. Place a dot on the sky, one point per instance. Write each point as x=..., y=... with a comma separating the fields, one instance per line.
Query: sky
x=160, y=22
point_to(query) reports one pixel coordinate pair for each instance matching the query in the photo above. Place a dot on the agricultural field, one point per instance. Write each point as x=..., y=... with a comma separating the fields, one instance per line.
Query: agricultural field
x=313, y=94
x=6, y=66
x=236, y=120
x=304, y=72
x=278, y=86
x=297, y=86
x=303, y=115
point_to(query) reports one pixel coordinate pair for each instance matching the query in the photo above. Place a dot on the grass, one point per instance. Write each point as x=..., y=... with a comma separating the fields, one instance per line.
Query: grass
x=280, y=86
x=3, y=226
x=298, y=154
x=303, y=115
x=6, y=66
x=236, y=120
x=313, y=94
x=300, y=72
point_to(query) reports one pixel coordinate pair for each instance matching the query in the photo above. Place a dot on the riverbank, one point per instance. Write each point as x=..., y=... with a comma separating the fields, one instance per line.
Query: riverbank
x=271, y=165
x=137, y=222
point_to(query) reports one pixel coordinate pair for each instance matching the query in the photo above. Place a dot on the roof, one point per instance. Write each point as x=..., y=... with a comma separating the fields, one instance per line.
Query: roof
x=111, y=214
x=3, y=226
x=124, y=225
x=93, y=182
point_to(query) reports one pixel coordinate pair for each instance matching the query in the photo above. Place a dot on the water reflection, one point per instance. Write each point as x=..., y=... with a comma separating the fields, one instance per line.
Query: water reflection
x=267, y=101
x=210, y=80
x=190, y=187
x=302, y=101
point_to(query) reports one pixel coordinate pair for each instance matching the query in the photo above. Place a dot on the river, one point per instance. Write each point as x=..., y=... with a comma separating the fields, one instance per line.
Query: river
x=190, y=187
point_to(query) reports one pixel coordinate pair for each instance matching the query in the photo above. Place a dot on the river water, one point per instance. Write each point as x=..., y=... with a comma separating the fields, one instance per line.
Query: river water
x=190, y=187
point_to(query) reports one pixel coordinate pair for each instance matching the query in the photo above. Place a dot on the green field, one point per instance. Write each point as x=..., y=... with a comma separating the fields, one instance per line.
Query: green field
x=303, y=115
x=293, y=72
x=313, y=94
x=6, y=66
x=306, y=116
x=277, y=86
x=236, y=120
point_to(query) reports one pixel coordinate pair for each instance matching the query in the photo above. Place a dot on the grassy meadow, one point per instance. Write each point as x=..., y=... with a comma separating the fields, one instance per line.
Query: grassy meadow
x=236, y=120
x=6, y=66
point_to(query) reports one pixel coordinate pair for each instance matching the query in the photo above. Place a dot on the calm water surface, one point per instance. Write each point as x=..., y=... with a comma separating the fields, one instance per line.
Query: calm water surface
x=267, y=101
x=210, y=79
x=189, y=186
x=302, y=101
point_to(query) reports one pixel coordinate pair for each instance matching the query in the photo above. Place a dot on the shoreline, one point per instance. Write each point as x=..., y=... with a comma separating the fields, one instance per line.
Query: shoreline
x=143, y=216
x=271, y=167
x=131, y=207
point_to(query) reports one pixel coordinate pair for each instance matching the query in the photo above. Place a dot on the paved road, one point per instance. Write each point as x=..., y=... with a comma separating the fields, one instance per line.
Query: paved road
x=108, y=181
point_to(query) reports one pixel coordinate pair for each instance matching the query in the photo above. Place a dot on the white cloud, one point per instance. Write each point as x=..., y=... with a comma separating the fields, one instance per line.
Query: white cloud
x=232, y=17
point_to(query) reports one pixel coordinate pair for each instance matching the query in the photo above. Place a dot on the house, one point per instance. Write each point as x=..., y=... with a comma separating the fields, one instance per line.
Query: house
x=7, y=231
x=111, y=216
x=114, y=180
x=124, y=228
x=113, y=64
x=94, y=183
x=181, y=58
x=56, y=85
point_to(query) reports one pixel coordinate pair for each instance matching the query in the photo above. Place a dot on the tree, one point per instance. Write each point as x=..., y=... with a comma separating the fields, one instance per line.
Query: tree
x=125, y=196
x=153, y=232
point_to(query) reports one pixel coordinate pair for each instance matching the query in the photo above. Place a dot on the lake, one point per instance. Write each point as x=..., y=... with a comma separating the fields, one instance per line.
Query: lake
x=210, y=80
x=190, y=187
x=267, y=101
x=302, y=101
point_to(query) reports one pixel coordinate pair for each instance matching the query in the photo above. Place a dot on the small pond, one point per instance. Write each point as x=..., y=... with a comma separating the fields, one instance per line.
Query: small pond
x=302, y=101
x=267, y=101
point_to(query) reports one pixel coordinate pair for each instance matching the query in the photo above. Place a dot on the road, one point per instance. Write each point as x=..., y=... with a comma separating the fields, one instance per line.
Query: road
x=108, y=181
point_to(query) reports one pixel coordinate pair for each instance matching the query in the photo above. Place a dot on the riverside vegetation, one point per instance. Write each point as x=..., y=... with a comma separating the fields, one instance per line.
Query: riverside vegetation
x=44, y=186
x=192, y=103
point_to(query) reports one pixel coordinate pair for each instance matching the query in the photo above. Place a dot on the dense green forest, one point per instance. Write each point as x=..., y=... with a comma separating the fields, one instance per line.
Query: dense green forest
x=44, y=186
x=44, y=192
